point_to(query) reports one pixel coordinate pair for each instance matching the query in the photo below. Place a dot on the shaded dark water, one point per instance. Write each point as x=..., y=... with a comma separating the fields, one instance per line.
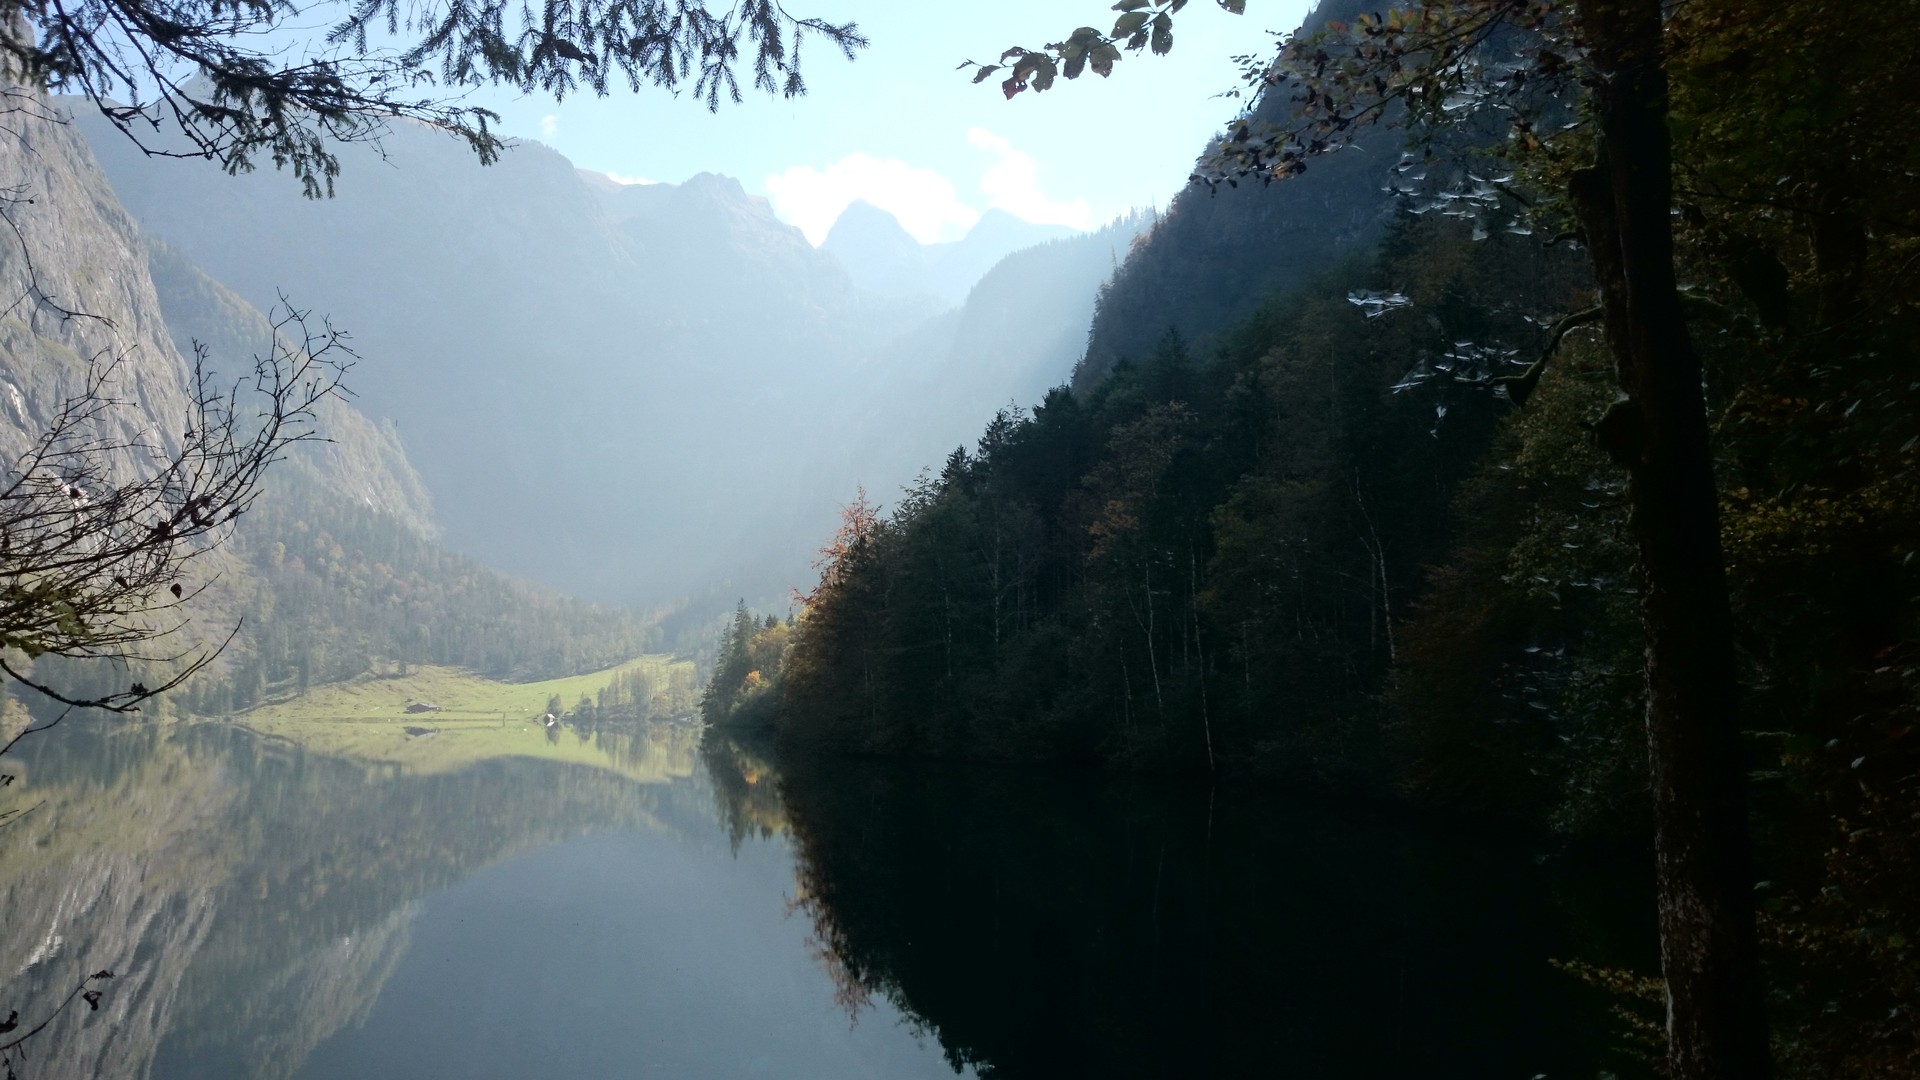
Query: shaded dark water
x=648, y=909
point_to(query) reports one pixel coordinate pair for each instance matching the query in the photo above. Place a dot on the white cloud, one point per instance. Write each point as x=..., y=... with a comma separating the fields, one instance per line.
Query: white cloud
x=1012, y=183
x=923, y=200
x=549, y=124
x=623, y=178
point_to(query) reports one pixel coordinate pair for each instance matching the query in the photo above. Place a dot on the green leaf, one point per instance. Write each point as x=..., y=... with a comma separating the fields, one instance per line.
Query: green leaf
x=1129, y=23
x=1131, y=5
x=1238, y=7
x=1162, y=34
x=985, y=70
x=1102, y=59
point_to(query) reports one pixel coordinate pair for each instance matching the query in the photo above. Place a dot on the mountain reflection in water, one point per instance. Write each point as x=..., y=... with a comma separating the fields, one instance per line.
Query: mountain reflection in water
x=274, y=912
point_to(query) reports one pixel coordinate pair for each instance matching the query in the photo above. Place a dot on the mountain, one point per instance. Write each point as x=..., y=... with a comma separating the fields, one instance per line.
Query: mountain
x=336, y=564
x=883, y=258
x=628, y=392
x=1217, y=255
x=606, y=389
x=88, y=289
x=877, y=251
x=1019, y=333
x=360, y=460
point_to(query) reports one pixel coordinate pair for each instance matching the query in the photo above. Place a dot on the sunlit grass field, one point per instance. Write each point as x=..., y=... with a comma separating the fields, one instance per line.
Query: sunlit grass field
x=478, y=718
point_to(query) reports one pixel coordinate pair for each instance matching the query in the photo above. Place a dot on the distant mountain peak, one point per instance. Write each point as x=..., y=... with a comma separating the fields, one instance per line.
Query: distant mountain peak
x=882, y=257
x=864, y=223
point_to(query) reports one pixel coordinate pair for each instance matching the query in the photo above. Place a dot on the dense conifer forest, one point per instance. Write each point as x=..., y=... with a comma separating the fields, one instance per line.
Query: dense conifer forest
x=1366, y=540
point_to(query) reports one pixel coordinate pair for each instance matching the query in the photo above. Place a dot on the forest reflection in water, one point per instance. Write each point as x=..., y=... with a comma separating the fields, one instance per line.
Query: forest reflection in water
x=1046, y=924
x=658, y=909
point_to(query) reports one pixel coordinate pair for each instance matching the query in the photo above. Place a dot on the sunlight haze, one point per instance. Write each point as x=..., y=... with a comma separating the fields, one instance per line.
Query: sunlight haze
x=902, y=129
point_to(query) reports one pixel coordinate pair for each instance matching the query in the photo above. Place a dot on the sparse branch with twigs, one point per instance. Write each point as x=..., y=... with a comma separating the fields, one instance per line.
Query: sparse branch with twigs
x=98, y=529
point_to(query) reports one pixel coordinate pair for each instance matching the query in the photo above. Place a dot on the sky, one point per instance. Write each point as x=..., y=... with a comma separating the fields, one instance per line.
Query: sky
x=901, y=128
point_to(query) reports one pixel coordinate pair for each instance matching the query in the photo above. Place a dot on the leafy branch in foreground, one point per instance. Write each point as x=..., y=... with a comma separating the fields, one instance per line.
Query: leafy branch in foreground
x=97, y=527
x=1142, y=24
x=231, y=80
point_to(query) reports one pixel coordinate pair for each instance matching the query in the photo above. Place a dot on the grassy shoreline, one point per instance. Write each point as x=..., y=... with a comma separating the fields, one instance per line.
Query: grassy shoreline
x=478, y=718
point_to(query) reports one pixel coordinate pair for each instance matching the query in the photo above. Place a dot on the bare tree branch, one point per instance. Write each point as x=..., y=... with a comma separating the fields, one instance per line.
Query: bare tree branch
x=98, y=529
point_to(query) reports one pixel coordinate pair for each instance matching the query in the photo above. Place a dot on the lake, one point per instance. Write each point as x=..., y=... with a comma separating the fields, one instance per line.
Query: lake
x=638, y=903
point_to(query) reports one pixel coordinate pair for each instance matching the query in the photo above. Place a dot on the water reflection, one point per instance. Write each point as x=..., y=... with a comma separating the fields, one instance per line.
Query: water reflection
x=273, y=912
x=638, y=904
x=1052, y=925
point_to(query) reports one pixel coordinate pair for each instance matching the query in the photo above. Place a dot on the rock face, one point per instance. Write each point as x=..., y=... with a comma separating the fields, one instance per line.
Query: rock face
x=75, y=290
x=83, y=287
x=85, y=295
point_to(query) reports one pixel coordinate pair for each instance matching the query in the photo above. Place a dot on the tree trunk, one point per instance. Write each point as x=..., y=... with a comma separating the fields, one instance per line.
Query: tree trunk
x=1715, y=1024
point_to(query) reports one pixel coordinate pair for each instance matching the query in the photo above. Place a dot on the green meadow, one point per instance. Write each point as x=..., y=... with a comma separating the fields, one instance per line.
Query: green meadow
x=478, y=718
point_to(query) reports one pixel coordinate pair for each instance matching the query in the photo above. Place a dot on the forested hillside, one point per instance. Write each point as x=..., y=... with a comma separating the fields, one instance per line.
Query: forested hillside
x=1363, y=536
x=1204, y=559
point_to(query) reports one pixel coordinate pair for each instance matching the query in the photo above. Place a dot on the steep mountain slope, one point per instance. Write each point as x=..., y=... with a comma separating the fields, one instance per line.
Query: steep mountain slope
x=336, y=564
x=1216, y=255
x=1018, y=334
x=360, y=460
x=81, y=296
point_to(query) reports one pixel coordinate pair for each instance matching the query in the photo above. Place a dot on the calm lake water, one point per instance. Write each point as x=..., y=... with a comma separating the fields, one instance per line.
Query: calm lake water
x=651, y=907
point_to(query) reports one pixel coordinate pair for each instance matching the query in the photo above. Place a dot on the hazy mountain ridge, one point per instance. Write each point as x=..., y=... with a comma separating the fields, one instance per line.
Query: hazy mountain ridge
x=1020, y=332
x=551, y=352
x=625, y=391
x=82, y=277
x=359, y=459
x=883, y=258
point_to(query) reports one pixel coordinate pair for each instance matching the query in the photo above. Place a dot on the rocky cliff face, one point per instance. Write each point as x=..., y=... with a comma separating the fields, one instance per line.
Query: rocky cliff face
x=83, y=289
x=75, y=288
x=87, y=300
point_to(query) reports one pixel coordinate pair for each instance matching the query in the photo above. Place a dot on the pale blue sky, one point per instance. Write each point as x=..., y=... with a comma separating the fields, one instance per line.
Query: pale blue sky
x=901, y=128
